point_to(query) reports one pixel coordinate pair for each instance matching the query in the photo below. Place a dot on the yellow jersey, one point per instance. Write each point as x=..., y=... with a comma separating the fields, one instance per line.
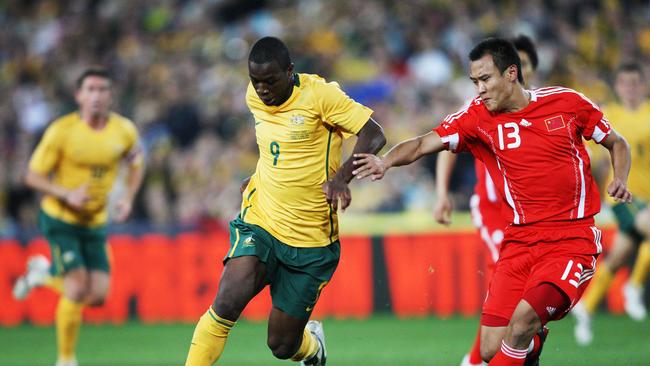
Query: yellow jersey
x=299, y=150
x=75, y=155
x=635, y=127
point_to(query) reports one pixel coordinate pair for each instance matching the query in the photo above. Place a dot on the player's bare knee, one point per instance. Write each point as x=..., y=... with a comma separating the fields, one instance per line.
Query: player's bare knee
x=281, y=347
x=75, y=289
x=488, y=351
x=617, y=258
x=228, y=307
x=490, y=344
x=96, y=299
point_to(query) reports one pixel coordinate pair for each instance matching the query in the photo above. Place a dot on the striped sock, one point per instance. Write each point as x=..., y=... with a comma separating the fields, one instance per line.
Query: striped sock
x=209, y=339
x=508, y=356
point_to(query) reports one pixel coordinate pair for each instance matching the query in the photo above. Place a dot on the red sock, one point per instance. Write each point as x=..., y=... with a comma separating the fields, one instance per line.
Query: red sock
x=475, y=353
x=508, y=356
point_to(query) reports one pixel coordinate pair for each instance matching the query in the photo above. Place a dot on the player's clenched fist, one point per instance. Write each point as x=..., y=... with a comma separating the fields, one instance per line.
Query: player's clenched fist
x=369, y=165
x=617, y=189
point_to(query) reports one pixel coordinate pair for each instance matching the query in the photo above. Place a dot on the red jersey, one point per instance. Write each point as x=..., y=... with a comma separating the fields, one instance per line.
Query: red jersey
x=484, y=187
x=536, y=156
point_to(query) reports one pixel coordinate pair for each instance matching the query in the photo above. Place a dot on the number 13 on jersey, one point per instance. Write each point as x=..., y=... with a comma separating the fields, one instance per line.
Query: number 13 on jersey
x=512, y=134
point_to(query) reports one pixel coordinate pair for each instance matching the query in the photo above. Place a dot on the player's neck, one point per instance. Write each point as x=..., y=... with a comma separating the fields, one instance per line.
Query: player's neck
x=519, y=100
x=95, y=121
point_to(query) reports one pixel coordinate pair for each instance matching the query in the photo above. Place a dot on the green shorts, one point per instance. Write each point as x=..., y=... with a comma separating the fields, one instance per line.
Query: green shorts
x=296, y=275
x=74, y=246
x=625, y=214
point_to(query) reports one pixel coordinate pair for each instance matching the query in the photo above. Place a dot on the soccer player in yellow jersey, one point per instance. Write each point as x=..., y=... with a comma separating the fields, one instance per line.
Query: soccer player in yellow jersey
x=74, y=166
x=286, y=235
x=631, y=117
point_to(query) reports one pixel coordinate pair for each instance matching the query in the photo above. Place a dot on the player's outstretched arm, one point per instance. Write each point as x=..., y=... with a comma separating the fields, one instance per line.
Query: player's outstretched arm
x=619, y=151
x=444, y=167
x=370, y=139
x=403, y=153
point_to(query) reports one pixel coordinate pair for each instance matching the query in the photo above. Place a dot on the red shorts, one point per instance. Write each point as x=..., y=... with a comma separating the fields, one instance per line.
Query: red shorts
x=564, y=256
x=487, y=218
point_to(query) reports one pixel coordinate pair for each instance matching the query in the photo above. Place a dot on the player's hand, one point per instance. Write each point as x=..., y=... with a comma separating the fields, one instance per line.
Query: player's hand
x=123, y=209
x=337, y=190
x=617, y=189
x=77, y=197
x=369, y=165
x=244, y=184
x=442, y=210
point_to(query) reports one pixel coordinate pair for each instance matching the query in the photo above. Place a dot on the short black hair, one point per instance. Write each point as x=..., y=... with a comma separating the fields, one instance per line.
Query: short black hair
x=93, y=71
x=503, y=52
x=631, y=66
x=269, y=49
x=525, y=44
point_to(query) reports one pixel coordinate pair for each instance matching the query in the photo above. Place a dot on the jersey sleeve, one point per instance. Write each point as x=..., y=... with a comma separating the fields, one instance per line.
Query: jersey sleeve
x=339, y=110
x=455, y=129
x=48, y=151
x=133, y=153
x=591, y=119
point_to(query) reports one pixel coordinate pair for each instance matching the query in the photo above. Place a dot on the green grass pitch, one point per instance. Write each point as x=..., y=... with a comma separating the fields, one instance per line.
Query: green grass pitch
x=381, y=340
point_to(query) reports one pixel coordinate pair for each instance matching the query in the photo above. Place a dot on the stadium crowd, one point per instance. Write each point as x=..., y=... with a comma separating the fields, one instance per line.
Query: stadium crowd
x=181, y=75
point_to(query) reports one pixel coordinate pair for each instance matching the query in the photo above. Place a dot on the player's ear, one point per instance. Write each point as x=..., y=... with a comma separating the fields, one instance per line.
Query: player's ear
x=512, y=72
x=290, y=71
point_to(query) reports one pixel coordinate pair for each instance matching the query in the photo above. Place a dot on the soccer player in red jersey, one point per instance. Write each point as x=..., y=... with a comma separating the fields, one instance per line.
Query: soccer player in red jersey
x=532, y=145
x=485, y=203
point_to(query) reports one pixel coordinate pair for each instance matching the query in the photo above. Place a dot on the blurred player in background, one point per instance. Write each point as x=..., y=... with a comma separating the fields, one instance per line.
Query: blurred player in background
x=74, y=166
x=631, y=117
x=531, y=143
x=485, y=203
x=286, y=234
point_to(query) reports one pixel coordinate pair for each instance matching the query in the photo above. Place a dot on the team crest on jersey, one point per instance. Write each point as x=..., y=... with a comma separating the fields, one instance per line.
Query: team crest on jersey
x=554, y=123
x=297, y=120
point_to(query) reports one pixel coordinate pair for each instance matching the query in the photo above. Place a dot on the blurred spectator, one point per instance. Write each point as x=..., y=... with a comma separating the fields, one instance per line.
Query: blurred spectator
x=181, y=76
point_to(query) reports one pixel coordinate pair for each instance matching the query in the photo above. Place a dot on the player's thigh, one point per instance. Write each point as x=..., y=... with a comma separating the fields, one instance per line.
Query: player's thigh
x=567, y=264
x=75, y=284
x=624, y=245
x=247, y=267
x=98, y=285
x=630, y=219
x=301, y=276
x=65, y=242
x=242, y=278
x=642, y=222
x=506, y=286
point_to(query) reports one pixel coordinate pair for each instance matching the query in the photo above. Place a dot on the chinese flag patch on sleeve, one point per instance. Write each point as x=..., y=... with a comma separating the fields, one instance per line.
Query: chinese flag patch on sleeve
x=554, y=123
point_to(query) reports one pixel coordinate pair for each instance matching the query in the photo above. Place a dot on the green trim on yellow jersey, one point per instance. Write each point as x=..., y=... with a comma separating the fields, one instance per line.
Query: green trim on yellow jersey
x=327, y=176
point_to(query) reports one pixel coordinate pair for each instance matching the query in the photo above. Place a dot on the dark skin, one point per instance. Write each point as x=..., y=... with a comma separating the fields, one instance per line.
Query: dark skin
x=244, y=277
